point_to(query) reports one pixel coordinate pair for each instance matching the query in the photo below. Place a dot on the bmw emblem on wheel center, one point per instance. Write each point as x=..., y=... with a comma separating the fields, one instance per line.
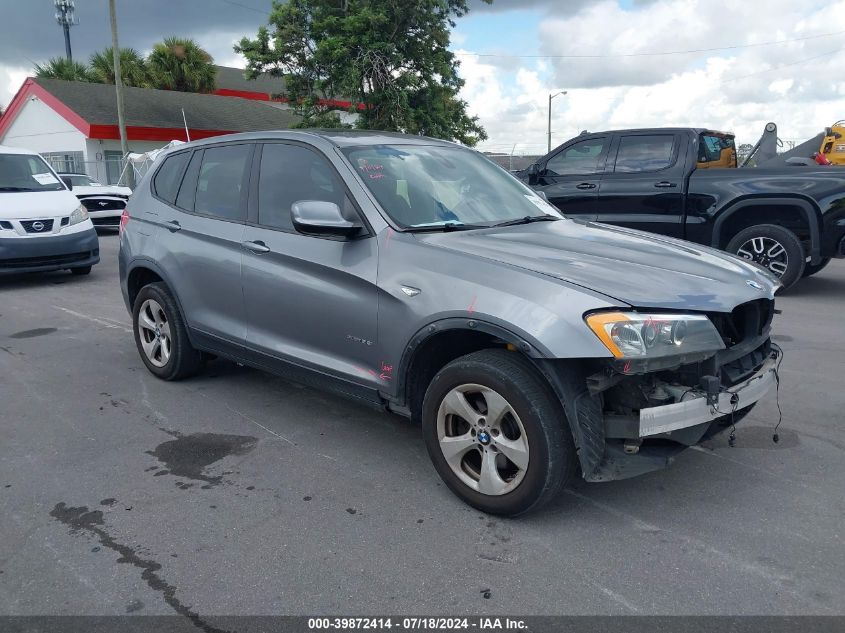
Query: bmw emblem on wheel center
x=484, y=438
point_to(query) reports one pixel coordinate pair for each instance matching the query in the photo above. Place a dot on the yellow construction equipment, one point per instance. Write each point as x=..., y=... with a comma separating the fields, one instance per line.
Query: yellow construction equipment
x=833, y=143
x=716, y=149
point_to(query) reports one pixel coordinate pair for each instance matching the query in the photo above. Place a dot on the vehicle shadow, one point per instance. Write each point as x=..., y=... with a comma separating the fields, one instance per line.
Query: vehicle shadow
x=36, y=280
x=820, y=284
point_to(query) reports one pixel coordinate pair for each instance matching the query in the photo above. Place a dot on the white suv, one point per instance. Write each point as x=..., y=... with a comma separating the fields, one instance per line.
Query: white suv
x=43, y=226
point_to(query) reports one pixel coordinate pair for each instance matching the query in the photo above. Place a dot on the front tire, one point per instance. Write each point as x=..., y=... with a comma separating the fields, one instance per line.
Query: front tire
x=497, y=434
x=774, y=247
x=161, y=336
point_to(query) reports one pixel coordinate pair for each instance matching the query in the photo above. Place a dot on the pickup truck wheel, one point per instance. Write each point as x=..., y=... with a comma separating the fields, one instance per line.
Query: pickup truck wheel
x=160, y=334
x=773, y=247
x=812, y=269
x=496, y=433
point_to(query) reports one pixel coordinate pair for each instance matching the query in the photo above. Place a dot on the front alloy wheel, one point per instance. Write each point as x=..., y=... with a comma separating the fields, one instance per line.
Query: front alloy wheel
x=482, y=439
x=496, y=432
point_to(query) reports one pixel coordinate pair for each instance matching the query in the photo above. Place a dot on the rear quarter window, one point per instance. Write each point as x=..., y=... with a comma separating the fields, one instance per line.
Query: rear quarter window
x=169, y=175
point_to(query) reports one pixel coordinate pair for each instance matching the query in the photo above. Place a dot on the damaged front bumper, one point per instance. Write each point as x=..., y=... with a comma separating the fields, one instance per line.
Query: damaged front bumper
x=618, y=446
x=696, y=409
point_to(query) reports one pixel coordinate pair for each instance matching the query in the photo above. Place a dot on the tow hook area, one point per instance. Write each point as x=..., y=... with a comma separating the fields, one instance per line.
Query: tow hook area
x=632, y=447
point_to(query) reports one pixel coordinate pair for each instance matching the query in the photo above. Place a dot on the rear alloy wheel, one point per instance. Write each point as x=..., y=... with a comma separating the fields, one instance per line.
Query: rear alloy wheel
x=496, y=433
x=773, y=247
x=160, y=334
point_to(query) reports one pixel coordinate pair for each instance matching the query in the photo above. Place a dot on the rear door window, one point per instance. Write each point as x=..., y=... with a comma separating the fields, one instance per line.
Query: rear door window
x=640, y=153
x=221, y=182
x=167, y=178
x=584, y=157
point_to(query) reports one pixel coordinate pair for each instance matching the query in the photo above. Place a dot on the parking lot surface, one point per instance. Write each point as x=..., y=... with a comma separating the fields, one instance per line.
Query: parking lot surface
x=237, y=492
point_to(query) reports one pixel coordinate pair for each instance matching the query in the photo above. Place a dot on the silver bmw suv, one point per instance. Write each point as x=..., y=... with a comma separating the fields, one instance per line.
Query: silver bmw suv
x=416, y=274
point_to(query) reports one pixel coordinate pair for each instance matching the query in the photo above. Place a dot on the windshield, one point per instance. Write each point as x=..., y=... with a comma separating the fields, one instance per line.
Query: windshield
x=26, y=172
x=425, y=185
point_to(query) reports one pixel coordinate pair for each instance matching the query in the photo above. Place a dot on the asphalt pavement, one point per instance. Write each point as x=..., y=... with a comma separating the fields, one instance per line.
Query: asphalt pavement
x=237, y=492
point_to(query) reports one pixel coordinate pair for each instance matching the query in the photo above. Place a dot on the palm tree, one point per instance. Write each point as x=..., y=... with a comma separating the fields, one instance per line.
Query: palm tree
x=180, y=64
x=62, y=68
x=133, y=68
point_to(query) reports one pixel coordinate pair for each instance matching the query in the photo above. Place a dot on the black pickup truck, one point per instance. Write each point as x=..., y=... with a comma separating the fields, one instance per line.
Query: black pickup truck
x=789, y=219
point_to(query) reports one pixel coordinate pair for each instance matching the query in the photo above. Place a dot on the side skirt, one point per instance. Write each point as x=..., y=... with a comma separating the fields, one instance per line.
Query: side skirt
x=285, y=369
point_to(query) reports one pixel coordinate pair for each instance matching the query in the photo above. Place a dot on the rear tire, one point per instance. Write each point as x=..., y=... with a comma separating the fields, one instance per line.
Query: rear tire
x=81, y=270
x=497, y=434
x=812, y=269
x=161, y=336
x=774, y=247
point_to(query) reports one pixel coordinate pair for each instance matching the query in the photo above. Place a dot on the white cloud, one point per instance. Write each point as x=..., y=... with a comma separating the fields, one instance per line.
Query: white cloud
x=11, y=79
x=737, y=89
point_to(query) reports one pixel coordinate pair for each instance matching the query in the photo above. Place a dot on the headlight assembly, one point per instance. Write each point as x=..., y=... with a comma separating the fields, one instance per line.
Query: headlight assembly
x=80, y=214
x=633, y=335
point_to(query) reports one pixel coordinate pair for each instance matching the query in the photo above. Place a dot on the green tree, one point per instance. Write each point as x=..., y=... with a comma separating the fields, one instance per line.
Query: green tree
x=133, y=67
x=61, y=68
x=393, y=57
x=181, y=64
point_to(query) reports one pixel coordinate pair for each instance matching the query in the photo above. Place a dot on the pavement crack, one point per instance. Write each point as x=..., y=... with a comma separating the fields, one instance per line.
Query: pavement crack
x=82, y=520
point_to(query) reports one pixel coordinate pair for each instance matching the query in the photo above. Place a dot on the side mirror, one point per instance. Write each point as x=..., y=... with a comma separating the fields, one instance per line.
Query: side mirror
x=68, y=182
x=533, y=173
x=317, y=217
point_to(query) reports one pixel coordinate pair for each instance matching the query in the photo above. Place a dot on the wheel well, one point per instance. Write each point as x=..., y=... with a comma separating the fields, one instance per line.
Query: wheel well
x=436, y=352
x=138, y=278
x=787, y=216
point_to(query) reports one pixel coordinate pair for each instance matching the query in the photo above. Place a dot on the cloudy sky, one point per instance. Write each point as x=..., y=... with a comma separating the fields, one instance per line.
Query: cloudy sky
x=723, y=64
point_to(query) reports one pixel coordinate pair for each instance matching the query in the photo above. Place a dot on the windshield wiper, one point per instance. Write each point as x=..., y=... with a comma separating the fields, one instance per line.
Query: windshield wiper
x=445, y=227
x=16, y=189
x=528, y=219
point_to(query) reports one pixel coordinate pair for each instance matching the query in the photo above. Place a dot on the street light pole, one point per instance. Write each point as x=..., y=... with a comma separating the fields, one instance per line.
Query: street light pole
x=66, y=19
x=118, y=88
x=552, y=96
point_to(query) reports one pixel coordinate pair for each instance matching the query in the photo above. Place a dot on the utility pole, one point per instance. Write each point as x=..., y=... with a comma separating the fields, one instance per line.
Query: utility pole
x=66, y=19
x=552, y=96
x=118, y=88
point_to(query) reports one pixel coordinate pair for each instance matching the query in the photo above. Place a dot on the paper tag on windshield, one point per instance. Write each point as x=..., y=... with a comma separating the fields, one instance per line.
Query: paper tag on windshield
x=45, y=179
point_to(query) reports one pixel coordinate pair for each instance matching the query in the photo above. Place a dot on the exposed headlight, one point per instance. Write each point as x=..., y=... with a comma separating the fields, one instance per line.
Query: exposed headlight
x=80, y=214
x=632, y=335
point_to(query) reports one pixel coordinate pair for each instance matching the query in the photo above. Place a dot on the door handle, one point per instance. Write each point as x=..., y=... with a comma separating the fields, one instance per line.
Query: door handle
x=665, y=184
x=173, y=226
x=585, y=185
x=256, y=247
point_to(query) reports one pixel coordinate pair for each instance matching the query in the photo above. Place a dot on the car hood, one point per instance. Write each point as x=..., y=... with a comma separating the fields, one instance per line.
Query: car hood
x=637, y=268
x=22, y=205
